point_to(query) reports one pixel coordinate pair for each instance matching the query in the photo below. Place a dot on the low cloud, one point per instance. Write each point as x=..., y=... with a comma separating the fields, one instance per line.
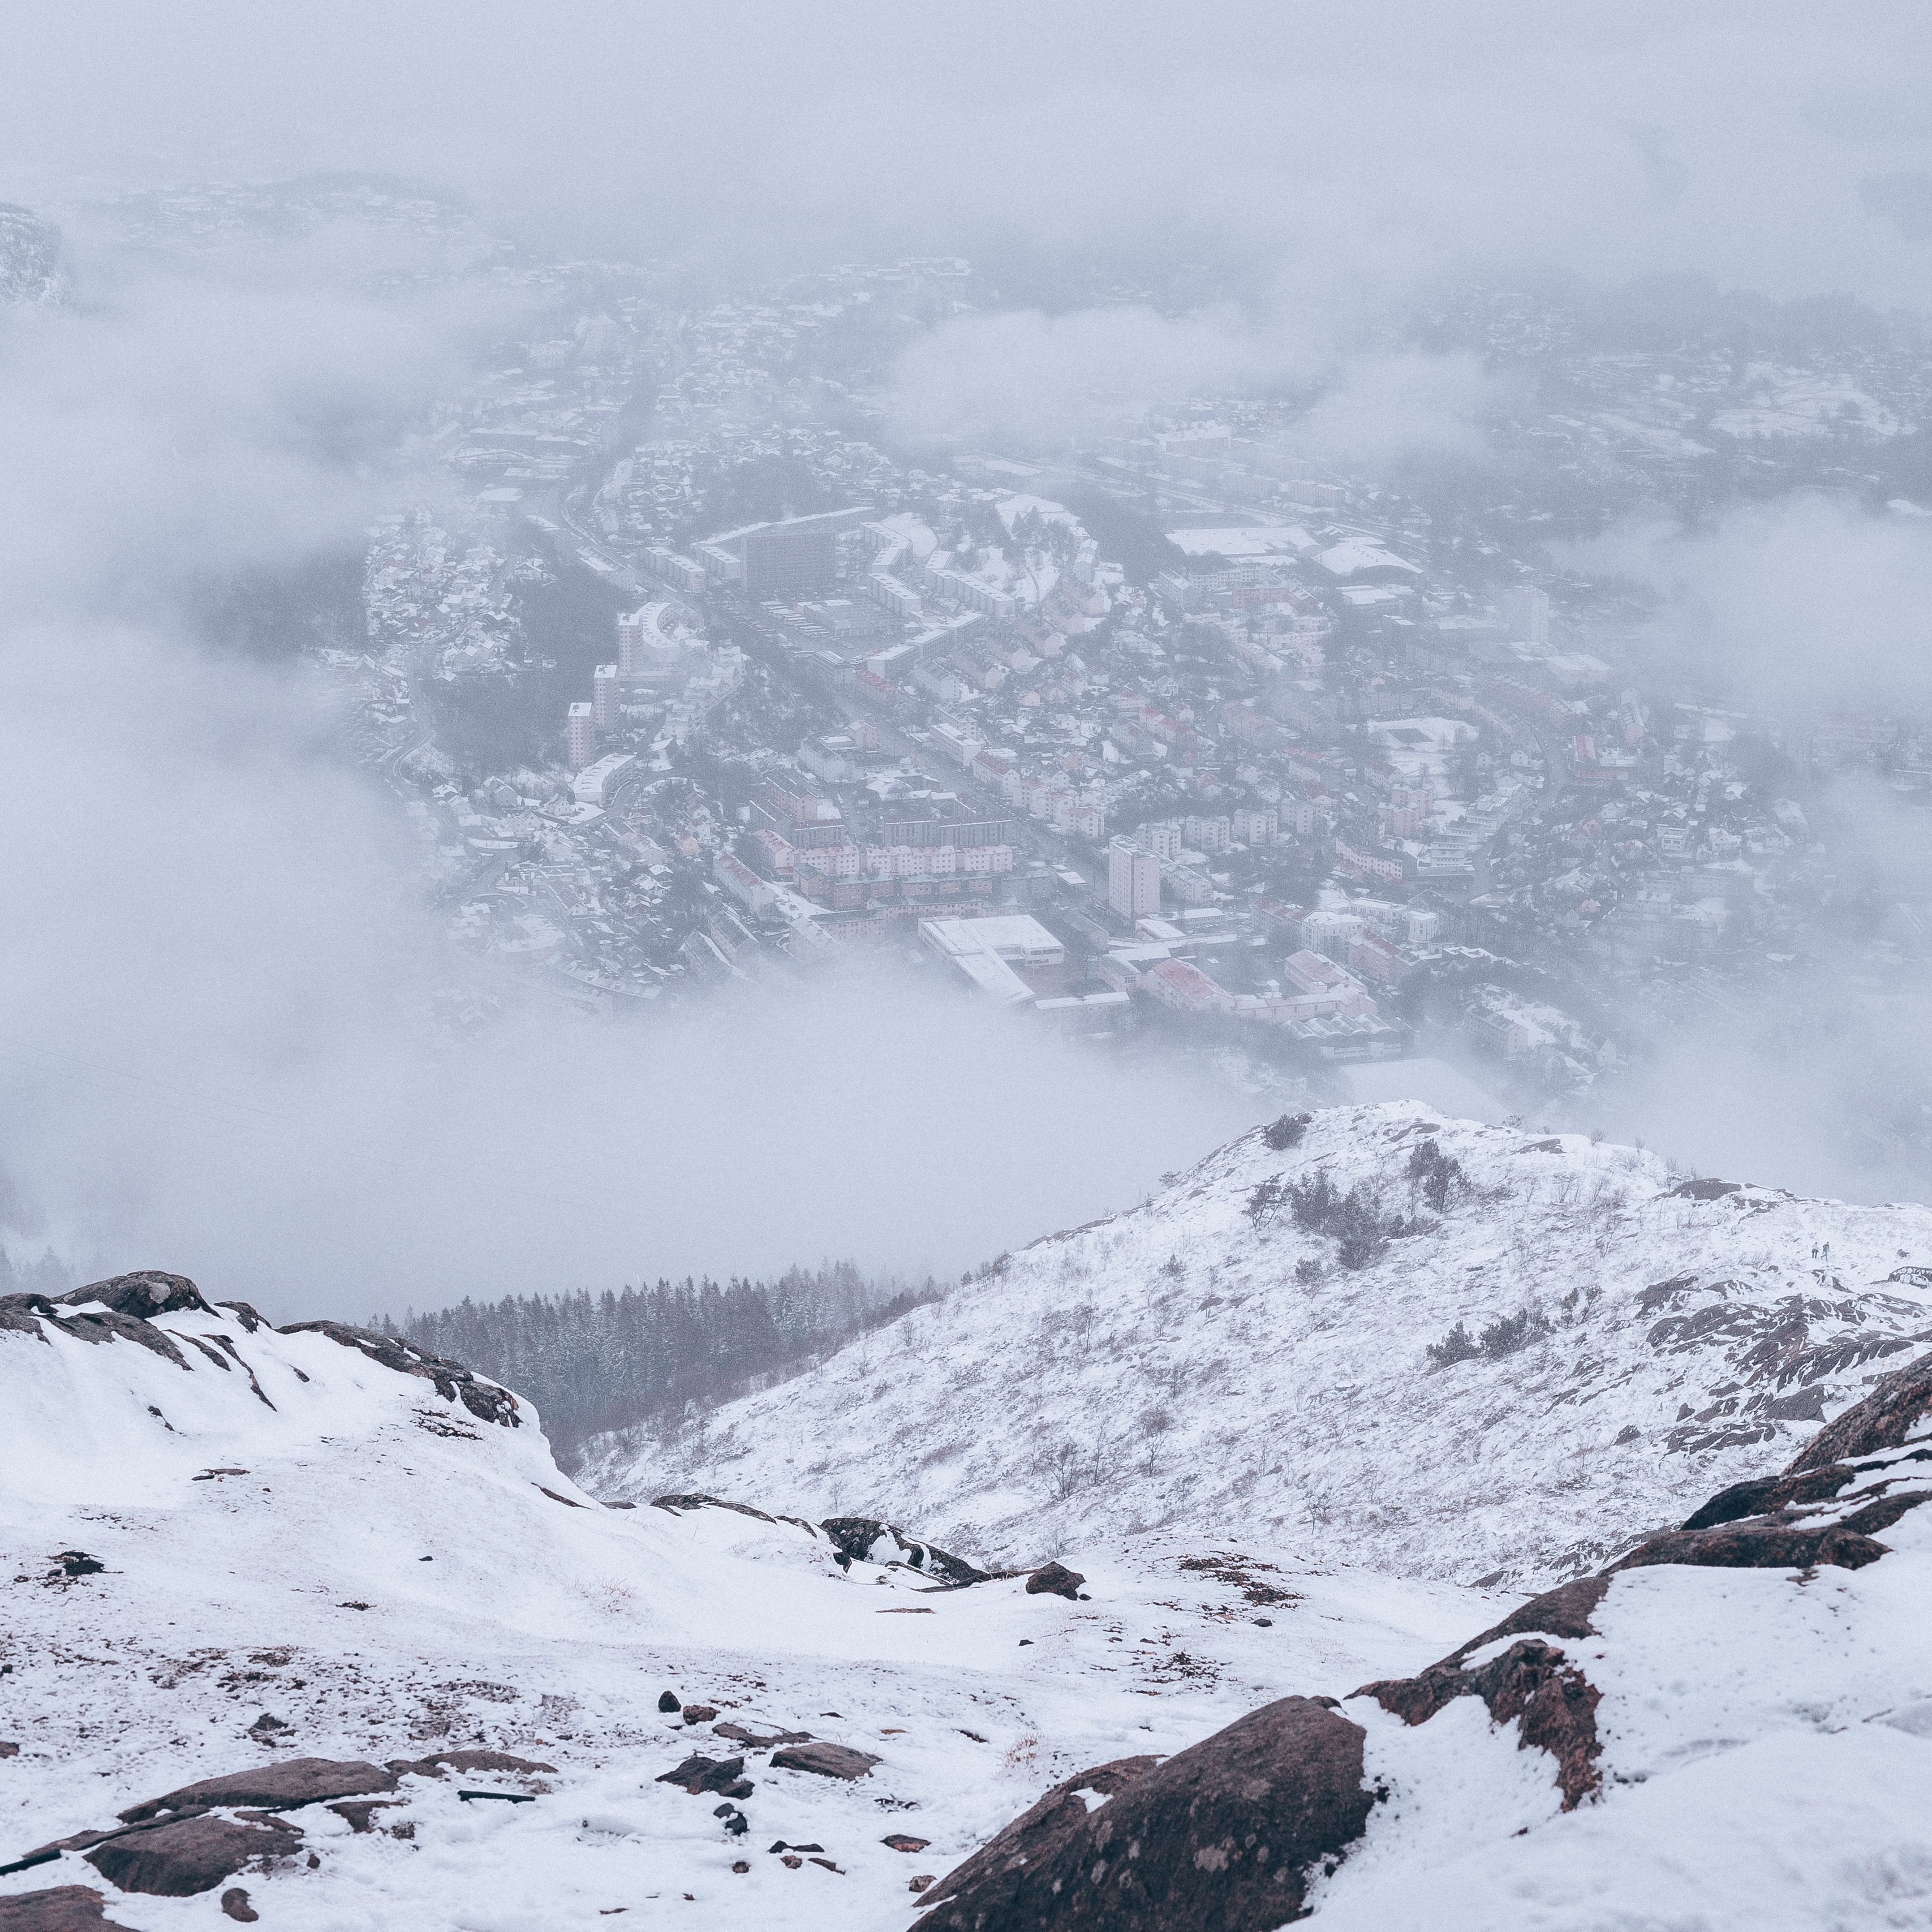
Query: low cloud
x=220, y=980
x=1807, y=603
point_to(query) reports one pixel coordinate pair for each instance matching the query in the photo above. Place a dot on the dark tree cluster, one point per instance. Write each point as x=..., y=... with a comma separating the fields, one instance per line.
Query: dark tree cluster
x=593, y=1362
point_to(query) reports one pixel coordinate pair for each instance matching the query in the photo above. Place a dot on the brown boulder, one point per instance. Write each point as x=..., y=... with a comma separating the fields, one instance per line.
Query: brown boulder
x=699, y=1774
x=1054, y=1580
x=187, y=1855
x=67, y=1908
x=1037, y=1835
x=276, y=1787
x=827, y=1760
x=1221, y=1836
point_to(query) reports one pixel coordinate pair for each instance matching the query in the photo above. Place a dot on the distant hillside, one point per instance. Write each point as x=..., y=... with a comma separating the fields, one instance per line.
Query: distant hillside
x=1405, y=1341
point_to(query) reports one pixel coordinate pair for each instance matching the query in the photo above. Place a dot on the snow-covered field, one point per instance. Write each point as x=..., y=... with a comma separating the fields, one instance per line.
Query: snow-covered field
x=499, y=1616
x=229, y=1548
x=1171, y=1368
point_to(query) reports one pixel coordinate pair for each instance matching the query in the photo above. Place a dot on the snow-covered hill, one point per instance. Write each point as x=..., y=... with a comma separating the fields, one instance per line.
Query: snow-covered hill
x=225, y=1549
x=305, y=1627
x=1610, y=1345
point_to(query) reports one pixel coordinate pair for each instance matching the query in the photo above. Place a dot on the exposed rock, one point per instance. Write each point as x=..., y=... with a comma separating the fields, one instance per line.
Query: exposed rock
x=245, y=1313
x=699, y=1713
x=454, y=1382
x=678, y=1505
x=1531, y=1684
x=1054, y=1580
x=758, y=1740
x=1887, y=1419
x=827, y=1760
x=904, y=1841
x=1767, y=1495
x=66, y=1908
x=1039, y=1833
x=864, y=1539
x=1223, y=1835
x=669, y=1701
x=1565, y=1611
x=275, y=1787
x=183, y=1856
x=18, y=1313
x=698, y=1774
x=234, y=1903
x=359, y=1813
x=142, y=1295
x=1757, y=1543
x=437, y=1763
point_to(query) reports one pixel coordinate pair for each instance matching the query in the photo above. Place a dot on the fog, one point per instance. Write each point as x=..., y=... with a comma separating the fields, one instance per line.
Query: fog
x=219, y=972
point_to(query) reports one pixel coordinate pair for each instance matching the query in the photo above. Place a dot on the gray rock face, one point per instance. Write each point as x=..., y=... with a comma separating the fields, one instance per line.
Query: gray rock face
x=272, y=1787
x=187, y=1855
x=1223, y=1837
x=66, y=1908
x=142, y=1295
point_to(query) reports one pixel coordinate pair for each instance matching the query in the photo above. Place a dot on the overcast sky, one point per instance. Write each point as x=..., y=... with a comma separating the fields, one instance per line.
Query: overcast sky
x=211, y=950
x=1772, y=144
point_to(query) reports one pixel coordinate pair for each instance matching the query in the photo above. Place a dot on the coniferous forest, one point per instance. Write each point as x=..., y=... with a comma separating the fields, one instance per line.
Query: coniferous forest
x=591, y=1362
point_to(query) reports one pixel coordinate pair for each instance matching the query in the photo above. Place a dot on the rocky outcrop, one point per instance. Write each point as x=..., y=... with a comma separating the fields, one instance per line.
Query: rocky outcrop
x=1054, y=1580
x=285, y=1786
x=142, y=1295
x=123, y=1308
x=1040, y=1833
x=1890, y=1416
x=698, y=1774
x=1226, y=1835
x=1533, y=1685
x=824, y=1760
x=454, y=1382
x=66, y=1908
x=180, y=1857
x=439, y=1761
x=864, y=1539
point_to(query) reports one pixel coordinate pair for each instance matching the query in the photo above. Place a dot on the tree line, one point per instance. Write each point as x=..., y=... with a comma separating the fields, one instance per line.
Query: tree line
x=591, y=1362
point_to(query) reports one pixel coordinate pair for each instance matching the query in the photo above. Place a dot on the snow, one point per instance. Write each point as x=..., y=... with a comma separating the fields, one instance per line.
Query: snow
x=1161, y=1400
x=550, y=1630
x=1169, y=1367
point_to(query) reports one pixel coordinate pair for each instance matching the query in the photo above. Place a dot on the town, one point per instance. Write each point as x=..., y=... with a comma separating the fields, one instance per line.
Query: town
x=700, y=670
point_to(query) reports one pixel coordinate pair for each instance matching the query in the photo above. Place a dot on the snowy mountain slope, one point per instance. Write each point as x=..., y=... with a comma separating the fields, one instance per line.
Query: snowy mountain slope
x=1732, y=1727
x=205, y=1522
x=1204, y=1360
